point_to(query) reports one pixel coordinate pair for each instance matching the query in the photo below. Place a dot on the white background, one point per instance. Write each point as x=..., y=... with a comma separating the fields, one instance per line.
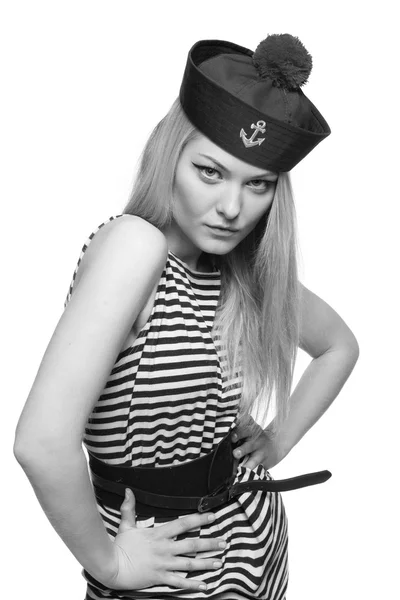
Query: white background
x=82, y=85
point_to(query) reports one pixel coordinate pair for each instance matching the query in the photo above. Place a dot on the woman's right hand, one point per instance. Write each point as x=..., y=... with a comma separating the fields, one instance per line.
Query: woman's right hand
x=145, y=557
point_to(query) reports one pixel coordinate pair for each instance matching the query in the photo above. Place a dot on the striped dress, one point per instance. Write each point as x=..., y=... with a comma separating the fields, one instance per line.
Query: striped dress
x=166, y=401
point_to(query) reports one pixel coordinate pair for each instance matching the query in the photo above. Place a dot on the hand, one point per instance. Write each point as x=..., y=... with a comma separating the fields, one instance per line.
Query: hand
x=260, y=447
x=145, y=557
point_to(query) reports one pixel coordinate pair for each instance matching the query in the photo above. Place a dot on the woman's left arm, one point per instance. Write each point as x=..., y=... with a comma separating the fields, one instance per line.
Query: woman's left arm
x=334, y=350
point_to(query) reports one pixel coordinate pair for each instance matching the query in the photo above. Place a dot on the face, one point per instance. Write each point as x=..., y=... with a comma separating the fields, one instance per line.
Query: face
x=215, y=189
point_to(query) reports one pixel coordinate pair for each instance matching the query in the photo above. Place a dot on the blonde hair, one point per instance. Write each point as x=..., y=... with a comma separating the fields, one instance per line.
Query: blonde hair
x=257, y=318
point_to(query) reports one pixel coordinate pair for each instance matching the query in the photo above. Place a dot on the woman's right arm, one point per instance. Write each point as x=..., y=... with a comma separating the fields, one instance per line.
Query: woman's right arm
x=112, y=290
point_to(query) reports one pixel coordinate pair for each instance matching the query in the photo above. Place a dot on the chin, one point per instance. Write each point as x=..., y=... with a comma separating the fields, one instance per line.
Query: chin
x=216, y=246
x=219, y=249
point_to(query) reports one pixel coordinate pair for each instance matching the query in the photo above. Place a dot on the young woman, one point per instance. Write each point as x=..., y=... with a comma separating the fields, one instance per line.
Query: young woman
x=181, y=324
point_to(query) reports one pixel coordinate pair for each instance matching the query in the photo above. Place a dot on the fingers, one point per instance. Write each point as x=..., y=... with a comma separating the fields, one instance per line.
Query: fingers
x=244, y=449
x=194, y=564
x=180, y=526
x=239, y=433
x=188, y=565
x=194, y=546
x=175, y=581
x=253, y=460
x=128, y=513
x=246, y=429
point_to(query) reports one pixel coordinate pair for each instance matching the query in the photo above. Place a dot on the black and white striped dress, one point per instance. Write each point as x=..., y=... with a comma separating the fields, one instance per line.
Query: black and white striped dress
x=166, y=402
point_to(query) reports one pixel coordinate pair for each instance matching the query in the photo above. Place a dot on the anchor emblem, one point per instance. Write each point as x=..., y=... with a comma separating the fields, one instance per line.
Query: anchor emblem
x=248, y=142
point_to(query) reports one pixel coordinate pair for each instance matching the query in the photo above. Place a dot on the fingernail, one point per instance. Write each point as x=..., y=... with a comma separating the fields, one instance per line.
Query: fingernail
x=237, y=453
x=203, y=586
x=222, y=544
x=211, y=517
x=217, y=564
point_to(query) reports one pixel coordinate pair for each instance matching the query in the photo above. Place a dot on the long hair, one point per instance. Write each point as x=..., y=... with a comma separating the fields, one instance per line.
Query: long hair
x=257, y=317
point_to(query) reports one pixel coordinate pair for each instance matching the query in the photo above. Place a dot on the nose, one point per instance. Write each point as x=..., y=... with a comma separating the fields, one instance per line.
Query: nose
x=229, y=203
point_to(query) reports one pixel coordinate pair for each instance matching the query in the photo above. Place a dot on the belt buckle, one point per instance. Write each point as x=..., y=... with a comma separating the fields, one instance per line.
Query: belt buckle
x=213, y=501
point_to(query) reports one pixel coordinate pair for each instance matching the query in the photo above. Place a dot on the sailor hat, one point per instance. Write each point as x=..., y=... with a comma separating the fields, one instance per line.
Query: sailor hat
x=251, y=103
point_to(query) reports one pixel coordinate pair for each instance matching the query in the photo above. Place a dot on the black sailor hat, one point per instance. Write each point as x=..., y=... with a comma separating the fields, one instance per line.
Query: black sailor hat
x=250, y=103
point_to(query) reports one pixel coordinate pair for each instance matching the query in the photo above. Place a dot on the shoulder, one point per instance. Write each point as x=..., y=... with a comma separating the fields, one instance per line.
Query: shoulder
x=127, y=231
x=123, y=241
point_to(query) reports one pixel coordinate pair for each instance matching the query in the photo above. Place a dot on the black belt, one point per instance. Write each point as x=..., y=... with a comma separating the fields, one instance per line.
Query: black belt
x=197, y=485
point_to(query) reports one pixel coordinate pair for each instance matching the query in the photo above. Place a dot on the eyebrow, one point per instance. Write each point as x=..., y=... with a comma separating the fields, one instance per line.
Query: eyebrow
x=221, y=166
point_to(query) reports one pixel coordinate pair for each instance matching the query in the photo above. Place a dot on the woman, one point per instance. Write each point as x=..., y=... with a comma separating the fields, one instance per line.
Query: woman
x=175, y=332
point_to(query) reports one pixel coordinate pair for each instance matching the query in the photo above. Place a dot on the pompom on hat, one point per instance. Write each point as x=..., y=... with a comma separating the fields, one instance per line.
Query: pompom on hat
x=250, y=103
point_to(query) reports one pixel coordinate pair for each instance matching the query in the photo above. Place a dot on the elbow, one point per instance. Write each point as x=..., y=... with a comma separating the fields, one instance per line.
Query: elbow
x=21, y=445
x=25, y=441
x=28, y=451
x=27, y=457
x=351, y=347
x=344, y=346
x=19, y=451
x=347, y=350
x=34, y=450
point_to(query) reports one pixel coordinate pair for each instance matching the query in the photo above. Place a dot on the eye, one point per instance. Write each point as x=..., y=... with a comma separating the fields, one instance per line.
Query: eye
x=206, y=171
x=263, y=184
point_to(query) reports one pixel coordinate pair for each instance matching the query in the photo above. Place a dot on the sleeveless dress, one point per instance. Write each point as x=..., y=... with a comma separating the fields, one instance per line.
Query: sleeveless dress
x=165, y=402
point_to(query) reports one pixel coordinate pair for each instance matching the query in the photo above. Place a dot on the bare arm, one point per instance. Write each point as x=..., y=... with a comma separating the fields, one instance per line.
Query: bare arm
x=326, y=337
x=112, y=290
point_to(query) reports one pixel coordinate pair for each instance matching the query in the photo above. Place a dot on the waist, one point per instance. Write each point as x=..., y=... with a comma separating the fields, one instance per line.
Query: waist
x=197, y=485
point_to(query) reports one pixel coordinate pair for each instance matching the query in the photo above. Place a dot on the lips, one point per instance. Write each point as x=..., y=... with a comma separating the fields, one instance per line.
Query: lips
x=223, y=228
